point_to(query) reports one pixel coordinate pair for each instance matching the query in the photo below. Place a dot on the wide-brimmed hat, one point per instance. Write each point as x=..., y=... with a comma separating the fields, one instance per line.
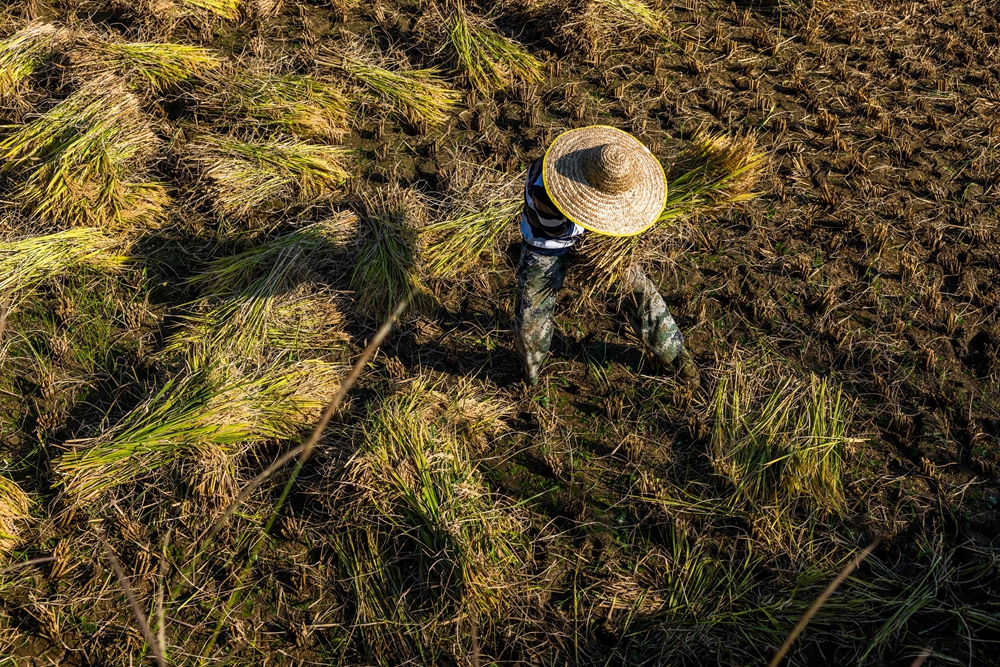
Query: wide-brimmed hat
x=604, y=180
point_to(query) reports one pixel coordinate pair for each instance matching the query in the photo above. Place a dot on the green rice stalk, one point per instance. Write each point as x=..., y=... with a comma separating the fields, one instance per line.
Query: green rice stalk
x=778, y=440
x=457, y=246
x=27, y=263
x=386, y=256
x=247, y=179
x=424, y=540
x=418, y=94
x=15, y=506
x=301, y=105
x=486, y=58
x=81, y=162
x=21, y=54
x=227, y=9
x=163, y=66
x=314, y=248
x=209, y=408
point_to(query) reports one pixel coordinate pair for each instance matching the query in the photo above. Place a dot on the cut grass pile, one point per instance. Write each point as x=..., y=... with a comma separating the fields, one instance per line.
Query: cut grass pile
x=424, y=543
x=21, y=54
x=84, y=162
x=385, y=255
x=419, y=95
x=15, y=507
x=300, y=105
x=226, y=9
x=161, y=66
x=595, y=25
x=206, y=414
x=487, y=59
x=248, y=179
x=27, y=263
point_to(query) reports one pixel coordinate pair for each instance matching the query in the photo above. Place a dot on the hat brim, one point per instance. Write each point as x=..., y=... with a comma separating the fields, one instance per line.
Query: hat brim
x=614, y=214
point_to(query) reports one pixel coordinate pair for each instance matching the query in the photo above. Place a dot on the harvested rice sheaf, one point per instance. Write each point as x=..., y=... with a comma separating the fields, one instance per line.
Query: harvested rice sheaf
x=424, y=540
x=205, y=414
x=27, y=263
x=21, y=54
x=14, y=507
x=301, y=105
x=487, y=59
x=591, y=25
x=83, y=161
x=161, y=66
x=245, y=179
x=417, y=94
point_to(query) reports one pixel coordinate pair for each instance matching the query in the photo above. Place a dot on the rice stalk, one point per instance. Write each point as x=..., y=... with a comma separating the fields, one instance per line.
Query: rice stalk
x=300, y=105
x=21, y=54
x=457, y=246
x=248, y=179
x=314, y=248
x=163, y=66
x=385, y=257
x=622, y=16
x=208, y=409
x=424, y=540
x=82, y=161
x=487, y=59
x=227, y=9
x=779, y=441
x=711, y=171
x=27, y=263
x=417, y=94
x=15, y=506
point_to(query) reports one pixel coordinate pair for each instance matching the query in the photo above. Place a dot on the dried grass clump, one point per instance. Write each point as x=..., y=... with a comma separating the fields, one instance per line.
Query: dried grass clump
x=83, y=161
x=711, y=171
x=247, y=179
x=779, y=440
x=591, y=25
x=480, y=216
x=161, y=66
x=385, y=257
x=14, y=512
x=206, y=414
x=424, y=542
x=21, y=54
x=227, y=9
x=487, y=59
x=300, y=105
x=27, y=263
x=417, y=94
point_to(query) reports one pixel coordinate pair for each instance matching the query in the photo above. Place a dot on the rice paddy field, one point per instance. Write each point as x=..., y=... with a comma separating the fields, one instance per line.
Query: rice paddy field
x=209, y=209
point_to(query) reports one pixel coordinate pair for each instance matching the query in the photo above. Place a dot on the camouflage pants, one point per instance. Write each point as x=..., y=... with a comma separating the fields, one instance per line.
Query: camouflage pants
x=539, y=279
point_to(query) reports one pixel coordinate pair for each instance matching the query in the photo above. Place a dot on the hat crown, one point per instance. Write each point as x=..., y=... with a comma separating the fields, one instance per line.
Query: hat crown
x=611, y=169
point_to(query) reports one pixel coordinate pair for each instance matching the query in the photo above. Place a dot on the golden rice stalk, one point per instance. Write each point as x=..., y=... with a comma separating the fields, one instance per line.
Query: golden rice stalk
x=162, y=66
x=82, y=162
x=301, y=105
x=247, y=179
x=14, y=512
x=624, y=15
x=386, y=255
x=417, y=94
x=227, y=9
x=595, y=23
x=487, y=59
x=29, y=262
x=314, y=248
x=711, y=171
x=209, y=408
x=20, y=56
x=457, y=246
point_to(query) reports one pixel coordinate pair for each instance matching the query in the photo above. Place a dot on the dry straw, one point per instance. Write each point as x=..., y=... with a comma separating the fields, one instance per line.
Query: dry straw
x=301, y=105
x=487, y=59
x=21, y=54
x=247, y=179
x=83, y=161
x=417, y=94
x=227, y=9
x=595, y=24
x=15, y=506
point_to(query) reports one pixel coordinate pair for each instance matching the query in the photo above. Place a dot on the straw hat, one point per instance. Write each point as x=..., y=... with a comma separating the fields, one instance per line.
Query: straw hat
x=604, y=180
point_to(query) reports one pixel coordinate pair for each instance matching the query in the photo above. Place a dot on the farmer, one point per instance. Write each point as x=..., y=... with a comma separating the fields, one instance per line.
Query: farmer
x=603, y=180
